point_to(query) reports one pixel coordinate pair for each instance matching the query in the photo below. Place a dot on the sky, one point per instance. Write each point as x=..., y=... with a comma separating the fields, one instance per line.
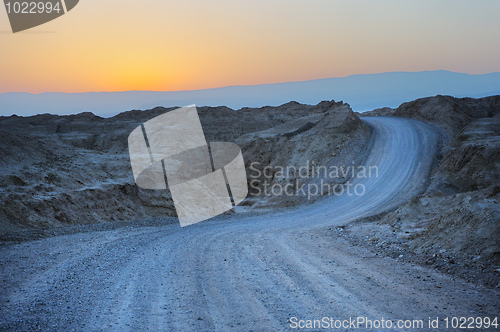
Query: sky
x=122, y=45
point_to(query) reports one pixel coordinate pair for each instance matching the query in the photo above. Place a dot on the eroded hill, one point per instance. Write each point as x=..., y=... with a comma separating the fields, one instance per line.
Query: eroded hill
x=66, y=170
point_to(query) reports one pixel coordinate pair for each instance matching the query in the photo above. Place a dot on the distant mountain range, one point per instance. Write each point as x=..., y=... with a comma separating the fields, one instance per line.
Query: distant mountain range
x=362, y=92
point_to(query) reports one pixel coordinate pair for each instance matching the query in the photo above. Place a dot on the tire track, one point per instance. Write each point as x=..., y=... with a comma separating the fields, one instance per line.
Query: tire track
x=244, y=272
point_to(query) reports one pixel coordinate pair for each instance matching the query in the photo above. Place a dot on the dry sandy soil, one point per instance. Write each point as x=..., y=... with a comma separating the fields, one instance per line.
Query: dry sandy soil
x=376, y=255
x=455, y=224
x=57, y=171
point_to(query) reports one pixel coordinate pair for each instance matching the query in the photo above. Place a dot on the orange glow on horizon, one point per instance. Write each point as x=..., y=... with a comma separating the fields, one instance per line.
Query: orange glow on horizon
x=163, y=46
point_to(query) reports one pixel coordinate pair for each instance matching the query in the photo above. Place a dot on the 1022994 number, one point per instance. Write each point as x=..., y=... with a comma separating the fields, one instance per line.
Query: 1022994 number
x=32, y=7
x=471, y=322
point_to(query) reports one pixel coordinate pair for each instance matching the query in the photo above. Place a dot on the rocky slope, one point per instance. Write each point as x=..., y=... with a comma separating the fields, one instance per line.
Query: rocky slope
x=66, y=170
x=455, y=224
x=295, y=151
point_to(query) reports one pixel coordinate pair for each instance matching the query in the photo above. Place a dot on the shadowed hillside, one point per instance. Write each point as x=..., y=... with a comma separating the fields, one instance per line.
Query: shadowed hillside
x=455, y=225
x=66, y=170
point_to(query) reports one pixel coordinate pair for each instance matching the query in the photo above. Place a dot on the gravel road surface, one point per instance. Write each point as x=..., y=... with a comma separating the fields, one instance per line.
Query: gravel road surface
x=244, y=272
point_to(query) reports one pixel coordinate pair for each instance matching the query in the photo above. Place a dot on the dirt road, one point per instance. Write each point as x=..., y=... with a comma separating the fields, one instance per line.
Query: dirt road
x=246, y=272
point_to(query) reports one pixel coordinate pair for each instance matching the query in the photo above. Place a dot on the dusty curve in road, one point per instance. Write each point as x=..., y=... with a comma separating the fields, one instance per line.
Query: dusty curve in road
x=245, y=272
